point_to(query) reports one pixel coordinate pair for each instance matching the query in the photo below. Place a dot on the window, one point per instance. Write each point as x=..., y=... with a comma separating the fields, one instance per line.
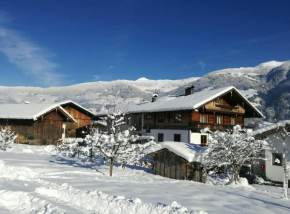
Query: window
x=160, y=118
x=233, y=121
x=148, y=116
x=177, y=137
x=148, y=130
x=177, y=118
x=218, y=102
x=276, y=159
x=160, y=137
x=203, y=119
x=203, y=139
x=218, y=119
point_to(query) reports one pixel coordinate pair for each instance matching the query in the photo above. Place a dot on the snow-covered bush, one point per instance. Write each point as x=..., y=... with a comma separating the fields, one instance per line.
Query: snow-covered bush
x=135, y=154
x=229, y=150
x=7, y=138
x=77, y=148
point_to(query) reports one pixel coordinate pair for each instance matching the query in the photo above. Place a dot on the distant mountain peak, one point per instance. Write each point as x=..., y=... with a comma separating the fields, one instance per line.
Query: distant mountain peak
x=272, y=63
x=142, y=79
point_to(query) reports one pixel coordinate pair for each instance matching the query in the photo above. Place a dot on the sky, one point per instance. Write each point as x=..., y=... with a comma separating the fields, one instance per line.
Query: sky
x=58, y=42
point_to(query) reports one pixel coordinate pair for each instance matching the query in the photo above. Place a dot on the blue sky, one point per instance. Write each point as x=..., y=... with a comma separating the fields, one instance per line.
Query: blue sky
x=58, y=42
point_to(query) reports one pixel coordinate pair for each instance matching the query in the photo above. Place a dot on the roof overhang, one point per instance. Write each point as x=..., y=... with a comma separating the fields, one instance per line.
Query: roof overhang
x=56, y=108
x=271, y=129
x=70, y=102
x=259, y=114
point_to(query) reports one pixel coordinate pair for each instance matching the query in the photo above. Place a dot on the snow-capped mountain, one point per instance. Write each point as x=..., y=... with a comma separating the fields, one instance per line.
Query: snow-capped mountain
x=266, y=85
x=93, y=95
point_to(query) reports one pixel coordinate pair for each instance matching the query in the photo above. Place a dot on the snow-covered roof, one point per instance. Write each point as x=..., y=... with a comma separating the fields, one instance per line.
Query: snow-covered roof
x=193, y=101
x=188, y=151
x=76, y=104
x=29, y=111
x=271, y=127
x=101, y=122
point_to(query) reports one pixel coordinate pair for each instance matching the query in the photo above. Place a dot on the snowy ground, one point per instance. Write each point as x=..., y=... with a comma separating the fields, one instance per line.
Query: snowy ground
x=33, y=181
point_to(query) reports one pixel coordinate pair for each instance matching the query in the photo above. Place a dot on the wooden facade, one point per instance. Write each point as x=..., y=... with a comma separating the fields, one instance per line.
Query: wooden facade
x=170, y=165
x=83, y=121
x=219, y=114
x=64, y=120
x=47, y=129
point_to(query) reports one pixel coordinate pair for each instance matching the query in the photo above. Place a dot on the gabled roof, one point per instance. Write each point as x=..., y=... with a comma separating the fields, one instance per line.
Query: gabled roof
x=68, y=102
x=189, y=102
x=29, y=111
x=272, y=127
x=188, y=151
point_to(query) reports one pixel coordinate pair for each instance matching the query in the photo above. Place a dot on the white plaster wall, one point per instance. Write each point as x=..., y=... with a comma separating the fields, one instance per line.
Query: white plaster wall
x=168, y=134
x=273, y=172
x=196, y=137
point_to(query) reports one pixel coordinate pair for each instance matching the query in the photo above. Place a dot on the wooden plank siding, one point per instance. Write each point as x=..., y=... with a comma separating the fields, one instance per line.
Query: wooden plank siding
x=169, y=120
x=48, y=129
x=220, y=105
x=23, y=128
x=168, y=164
x=82, y=120
x=228, y=107
x=45, y=130
x=192, y=119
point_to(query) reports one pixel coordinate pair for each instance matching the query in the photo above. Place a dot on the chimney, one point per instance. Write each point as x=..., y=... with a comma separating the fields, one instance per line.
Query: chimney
x=189, y=90
x=154, y=97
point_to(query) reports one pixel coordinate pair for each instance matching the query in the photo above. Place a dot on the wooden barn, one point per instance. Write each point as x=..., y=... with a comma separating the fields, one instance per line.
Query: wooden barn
x=83, y=119
x=41, y=123
x=179, y=160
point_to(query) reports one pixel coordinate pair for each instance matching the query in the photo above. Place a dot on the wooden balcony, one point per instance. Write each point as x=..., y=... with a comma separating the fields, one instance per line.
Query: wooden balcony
x=196, y=127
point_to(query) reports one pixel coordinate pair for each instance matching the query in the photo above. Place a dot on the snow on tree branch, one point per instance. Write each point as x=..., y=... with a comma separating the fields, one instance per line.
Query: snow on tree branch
x=229, y=150
x=119, y=142
x=7, y=138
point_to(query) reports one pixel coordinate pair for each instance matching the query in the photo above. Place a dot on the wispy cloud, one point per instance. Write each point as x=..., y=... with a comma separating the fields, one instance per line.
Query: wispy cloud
x=201, y=64
x=97, y=77
x=192, y=65
x=5, y=17
x=259, y=39
x=32, y=59
x=187, y=66
x=110, y=67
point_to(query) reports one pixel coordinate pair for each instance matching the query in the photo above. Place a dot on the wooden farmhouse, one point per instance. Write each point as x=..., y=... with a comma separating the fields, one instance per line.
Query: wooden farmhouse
x=181, y=118
x=45, y=123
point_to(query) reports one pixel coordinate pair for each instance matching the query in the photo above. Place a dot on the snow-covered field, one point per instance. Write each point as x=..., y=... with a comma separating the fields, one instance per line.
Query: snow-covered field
x=36, y=180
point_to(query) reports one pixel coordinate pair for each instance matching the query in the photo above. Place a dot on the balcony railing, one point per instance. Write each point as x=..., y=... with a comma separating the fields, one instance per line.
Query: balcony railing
x=196, y=127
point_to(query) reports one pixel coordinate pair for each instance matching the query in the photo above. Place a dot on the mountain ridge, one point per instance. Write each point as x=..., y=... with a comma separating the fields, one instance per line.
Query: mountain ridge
x=267, y=85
